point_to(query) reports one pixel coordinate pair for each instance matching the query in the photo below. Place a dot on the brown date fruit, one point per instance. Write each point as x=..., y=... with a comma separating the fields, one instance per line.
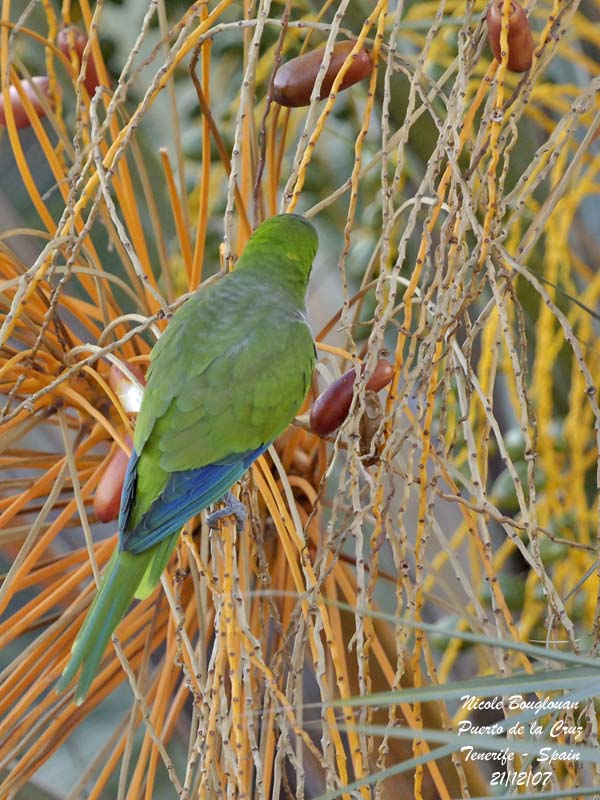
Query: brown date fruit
x=294, y=80
x=41, y=83
x=72, y=37
x=107, y=499
x=331, y=407
x=520, y=40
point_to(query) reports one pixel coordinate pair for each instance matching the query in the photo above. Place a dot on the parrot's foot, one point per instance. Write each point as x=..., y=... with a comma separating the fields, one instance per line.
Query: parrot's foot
x=233, y=508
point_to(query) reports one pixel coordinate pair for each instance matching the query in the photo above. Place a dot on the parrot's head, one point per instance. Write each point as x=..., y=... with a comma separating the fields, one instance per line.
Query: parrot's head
x=285, y=247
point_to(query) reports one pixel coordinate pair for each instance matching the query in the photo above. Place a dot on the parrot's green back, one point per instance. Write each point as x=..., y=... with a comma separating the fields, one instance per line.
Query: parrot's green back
x=226, y=378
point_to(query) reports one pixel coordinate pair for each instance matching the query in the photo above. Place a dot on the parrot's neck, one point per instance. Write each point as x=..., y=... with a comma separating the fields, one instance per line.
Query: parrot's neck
x=282, y=273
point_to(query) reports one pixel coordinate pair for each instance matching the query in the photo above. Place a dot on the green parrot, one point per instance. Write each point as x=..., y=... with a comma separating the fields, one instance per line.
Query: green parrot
x=227, y=377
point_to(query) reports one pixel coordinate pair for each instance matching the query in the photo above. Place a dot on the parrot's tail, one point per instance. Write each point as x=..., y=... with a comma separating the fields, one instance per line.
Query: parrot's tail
x=118, y=586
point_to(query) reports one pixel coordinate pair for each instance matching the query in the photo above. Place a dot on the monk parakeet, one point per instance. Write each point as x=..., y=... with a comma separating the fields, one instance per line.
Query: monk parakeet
x=226, y=377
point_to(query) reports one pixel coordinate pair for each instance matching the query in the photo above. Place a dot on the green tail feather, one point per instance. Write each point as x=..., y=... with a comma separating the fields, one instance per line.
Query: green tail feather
x=118, y=586
x=162, y=553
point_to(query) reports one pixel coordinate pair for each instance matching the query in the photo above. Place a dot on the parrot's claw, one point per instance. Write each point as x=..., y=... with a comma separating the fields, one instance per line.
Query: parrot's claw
x=233, y=508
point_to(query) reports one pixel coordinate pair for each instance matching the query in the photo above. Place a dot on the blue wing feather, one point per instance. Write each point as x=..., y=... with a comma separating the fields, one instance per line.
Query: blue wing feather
x=185, y=494
x=128, y=492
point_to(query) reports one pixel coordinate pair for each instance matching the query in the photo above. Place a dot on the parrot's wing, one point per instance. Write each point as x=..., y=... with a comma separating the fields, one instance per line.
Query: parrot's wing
x=186, y=493
x=241, y=400
x=232, y=369
x=221, y=416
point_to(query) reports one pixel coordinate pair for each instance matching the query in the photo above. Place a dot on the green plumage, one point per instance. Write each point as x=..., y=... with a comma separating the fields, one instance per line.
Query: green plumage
x=225, y=379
